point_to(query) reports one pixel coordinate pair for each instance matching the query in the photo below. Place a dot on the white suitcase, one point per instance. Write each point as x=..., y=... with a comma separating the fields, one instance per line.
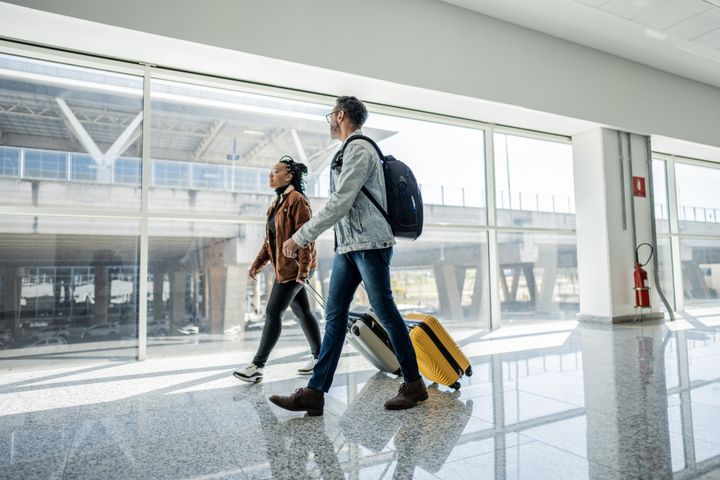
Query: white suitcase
x=368, y=336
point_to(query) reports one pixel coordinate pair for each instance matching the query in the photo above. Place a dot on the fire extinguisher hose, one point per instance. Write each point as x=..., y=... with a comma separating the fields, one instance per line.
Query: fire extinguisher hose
x=637, y=255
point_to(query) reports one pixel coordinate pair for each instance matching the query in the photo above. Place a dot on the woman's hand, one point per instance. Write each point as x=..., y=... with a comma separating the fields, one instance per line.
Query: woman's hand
x=252, y=273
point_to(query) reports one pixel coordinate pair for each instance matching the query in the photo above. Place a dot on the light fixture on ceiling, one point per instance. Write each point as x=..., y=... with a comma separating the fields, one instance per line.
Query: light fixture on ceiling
x=655, y=34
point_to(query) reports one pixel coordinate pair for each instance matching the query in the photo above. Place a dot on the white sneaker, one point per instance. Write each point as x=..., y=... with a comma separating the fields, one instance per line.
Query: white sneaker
x=307, y=369
x=251, y=373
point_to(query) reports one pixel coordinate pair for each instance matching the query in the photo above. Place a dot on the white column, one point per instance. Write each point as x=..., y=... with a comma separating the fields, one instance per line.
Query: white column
x=604, y=164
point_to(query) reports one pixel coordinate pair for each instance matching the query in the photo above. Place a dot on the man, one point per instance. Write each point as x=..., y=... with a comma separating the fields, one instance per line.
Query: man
x=363, y=250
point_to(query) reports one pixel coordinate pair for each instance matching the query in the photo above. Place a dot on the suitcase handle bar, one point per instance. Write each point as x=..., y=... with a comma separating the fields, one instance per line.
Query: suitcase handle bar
x=316, y=295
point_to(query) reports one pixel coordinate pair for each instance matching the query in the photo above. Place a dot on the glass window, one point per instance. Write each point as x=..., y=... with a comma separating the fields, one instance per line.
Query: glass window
x=84, y=168
x=213, y=141
x=171, y=174
x=72, y=124
x=538, y=276
x=208, y=177
x=700, y=260
x=250, y=179
x=45, y=165
x=444, y=273
x=698, y=200
x=199, y=296
x=128, y=171
x=534, y=182
x=76, y=290
x=9, y=162
x=448, y=162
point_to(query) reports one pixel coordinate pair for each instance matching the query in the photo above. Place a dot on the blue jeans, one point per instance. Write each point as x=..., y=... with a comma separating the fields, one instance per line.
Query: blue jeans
x=373, y=268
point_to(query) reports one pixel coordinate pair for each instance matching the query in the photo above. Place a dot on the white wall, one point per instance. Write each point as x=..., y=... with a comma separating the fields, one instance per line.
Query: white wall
x=422, y=43
x=605, y=250
x=591, y=224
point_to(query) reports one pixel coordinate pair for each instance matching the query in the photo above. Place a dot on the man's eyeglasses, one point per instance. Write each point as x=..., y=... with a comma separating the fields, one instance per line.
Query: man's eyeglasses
x=328, y=117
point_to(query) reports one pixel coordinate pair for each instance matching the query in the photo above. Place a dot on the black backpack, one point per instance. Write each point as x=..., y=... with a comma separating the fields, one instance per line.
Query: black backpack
x=405, y=205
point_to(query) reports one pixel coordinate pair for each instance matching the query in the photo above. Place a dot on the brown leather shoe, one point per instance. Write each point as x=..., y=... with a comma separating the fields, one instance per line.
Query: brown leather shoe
x=409, y=395
x=303, y=400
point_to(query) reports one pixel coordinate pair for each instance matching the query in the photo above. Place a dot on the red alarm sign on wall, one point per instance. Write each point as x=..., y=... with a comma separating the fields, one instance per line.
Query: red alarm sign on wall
x=639, y=186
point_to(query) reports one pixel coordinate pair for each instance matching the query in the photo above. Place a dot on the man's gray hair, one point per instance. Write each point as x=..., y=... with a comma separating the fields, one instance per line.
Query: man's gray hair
x=353, y=108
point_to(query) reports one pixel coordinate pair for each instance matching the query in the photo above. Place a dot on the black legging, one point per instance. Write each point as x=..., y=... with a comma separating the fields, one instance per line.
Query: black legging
x=280, y=297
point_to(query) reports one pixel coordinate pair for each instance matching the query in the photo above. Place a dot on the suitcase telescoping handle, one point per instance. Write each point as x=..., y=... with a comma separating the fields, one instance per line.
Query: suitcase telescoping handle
x=321, y=301
x=316, y=295
x=323, y=304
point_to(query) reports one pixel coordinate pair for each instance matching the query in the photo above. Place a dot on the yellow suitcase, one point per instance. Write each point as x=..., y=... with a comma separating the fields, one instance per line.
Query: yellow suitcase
x=439, y=357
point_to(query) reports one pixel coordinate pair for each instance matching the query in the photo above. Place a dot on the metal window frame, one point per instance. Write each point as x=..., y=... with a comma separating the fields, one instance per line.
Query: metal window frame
x=675, y=236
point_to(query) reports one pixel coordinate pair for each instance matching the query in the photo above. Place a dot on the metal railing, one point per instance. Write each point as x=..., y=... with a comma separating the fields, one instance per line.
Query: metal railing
x=687, y=213
x=51, y=165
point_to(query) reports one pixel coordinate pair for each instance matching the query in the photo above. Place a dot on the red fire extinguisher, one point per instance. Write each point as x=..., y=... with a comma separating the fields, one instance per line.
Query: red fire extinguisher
x=642, y=291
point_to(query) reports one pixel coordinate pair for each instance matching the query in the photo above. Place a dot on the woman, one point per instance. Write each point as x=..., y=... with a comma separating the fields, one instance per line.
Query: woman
x=287, y=213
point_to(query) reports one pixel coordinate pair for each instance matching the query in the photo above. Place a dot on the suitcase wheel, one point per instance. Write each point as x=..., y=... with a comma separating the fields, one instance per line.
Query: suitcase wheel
x=455, y=385
x=356, y=330
x=397, y=372
x=468, y=372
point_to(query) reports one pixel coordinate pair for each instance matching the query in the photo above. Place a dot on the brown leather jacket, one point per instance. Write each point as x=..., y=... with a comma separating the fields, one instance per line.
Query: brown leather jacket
x=292, y=213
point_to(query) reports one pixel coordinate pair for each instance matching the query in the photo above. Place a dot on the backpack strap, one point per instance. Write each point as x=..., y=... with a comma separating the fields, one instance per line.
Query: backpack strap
x=364, y=189
x=377, y=205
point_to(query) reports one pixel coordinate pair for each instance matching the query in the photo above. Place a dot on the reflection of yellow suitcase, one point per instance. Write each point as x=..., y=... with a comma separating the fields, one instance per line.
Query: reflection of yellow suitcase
x=439, y=357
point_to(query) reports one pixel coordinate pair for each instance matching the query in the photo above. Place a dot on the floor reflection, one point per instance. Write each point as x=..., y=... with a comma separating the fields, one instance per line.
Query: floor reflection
x=637, y=401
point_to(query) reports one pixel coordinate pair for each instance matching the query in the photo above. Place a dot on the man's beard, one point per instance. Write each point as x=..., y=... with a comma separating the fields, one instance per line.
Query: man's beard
x=334, y=131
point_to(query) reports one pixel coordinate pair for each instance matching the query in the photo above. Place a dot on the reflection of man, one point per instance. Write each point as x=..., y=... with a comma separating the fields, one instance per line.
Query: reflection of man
x=419, y=440
x=363, y=251
x=416, y=442
x=356, y=428
x=290, y=443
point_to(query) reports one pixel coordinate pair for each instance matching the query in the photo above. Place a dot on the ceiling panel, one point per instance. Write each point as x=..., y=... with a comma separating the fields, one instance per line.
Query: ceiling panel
x=593, y=3
x=711, y=39
x=672, y=13
x=630, y=8
x=698, y=25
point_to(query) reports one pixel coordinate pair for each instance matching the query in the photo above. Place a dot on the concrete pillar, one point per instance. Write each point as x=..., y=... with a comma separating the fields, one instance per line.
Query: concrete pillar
x=604, y=219
x=61, y=290
x=101, y=261
x=460, y=274
x=216, y=298
x=449, y=292
x=200, y=302
x=158, y=286
x=177, y=299
x=478, y=294
x=626, y=401
x=548, y=262
x=236, y=283
x=12, y=285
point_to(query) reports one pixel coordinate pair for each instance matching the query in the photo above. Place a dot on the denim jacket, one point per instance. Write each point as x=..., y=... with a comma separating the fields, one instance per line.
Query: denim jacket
x=357, y=223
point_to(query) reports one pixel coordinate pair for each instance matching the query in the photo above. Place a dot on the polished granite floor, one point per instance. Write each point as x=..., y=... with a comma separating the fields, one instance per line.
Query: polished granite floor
x=547, y=401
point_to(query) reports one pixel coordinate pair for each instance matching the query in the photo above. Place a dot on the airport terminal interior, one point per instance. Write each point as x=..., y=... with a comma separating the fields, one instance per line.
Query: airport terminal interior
x=573, y=153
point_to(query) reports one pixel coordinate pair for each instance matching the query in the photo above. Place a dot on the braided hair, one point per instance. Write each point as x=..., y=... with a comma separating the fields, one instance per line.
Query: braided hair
x=298, y=170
